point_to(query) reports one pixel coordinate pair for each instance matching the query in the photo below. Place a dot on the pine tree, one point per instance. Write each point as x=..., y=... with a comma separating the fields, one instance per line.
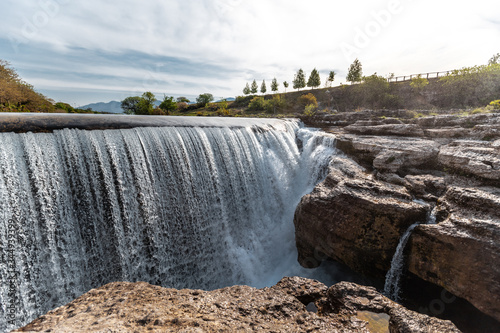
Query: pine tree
x=285, y=84
x=274, y=85
x=355, y=72
x=331, y=78
x=314, y=79
x=263, y=88
x=254, y=88
x=299, y=80
x=246, y=90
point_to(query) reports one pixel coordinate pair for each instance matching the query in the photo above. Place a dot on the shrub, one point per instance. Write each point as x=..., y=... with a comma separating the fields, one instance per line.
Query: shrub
x=275, y=105
x=257, y=103
x=310, y=110
x=307, y=99
x=495, y=104
x=182, y=106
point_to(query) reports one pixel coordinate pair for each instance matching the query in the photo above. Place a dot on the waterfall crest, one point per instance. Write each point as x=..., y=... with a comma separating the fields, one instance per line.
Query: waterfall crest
x=182, y=207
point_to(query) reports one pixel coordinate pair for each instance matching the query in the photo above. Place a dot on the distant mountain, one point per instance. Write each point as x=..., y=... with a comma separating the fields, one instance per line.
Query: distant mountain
x=229, y=99
x=111, y=107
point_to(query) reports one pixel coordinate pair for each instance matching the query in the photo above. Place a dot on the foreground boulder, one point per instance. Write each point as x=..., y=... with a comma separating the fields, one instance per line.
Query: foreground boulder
x=293, y=305
x=354, y=219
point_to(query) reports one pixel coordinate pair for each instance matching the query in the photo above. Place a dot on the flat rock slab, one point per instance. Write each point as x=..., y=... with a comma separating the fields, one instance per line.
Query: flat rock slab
x=48, y=122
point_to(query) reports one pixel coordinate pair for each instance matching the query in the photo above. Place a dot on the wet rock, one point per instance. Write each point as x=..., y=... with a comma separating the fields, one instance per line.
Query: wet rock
x=354, y=219
x=351, y=298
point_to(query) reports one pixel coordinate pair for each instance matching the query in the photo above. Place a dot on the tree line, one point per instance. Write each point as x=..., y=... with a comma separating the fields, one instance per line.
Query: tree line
x=355, y=74
x=146, y=104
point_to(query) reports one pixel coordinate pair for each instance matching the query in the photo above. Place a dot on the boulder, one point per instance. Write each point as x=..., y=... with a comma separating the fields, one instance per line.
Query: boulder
x=141, y=307
x=355, y=219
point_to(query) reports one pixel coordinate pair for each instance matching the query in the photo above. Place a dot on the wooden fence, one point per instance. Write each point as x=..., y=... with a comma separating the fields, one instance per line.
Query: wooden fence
x=429, y=75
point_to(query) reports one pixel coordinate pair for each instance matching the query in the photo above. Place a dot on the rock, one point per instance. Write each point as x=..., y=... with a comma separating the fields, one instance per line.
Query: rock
x=478, y=158
x=385, y=129
x=390, y=154
x=354, y=219
x=462, y=256
x=428, y=187
x=141, y=307
x=352, y=298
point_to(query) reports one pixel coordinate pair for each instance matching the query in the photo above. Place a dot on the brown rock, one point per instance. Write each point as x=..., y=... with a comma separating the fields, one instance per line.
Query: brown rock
x=461, y=253
x=141, y=307
x=352, y=298
x=354, y=219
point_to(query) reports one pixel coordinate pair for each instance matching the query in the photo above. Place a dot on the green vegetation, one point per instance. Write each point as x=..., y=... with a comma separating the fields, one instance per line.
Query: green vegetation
x=246, y=90
x=263, y=88
x=330, y=79
x=168, y=105
x=314, y=79
x=419, y=83
x=355, y=73
x=204, y=99
x=253, y=89
x=299, y=80
x=274, y=85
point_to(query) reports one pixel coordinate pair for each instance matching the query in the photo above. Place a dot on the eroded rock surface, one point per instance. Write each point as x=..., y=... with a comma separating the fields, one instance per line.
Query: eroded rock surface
x=354, y=219
x=451, y=162
x=141, y=307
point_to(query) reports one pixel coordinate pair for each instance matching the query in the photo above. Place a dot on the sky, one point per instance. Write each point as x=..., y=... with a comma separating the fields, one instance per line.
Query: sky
x=82, y=52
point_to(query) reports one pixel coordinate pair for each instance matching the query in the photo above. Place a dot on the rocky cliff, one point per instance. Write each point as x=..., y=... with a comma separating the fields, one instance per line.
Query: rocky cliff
x=293, y=305
x=398, y=168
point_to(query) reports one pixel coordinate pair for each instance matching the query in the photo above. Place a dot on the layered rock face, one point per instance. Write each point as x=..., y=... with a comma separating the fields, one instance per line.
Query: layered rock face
x=293, y=305
x=450, y=162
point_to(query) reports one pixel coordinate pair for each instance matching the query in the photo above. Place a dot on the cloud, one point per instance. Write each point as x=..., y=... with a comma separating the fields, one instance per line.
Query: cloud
x=218, y=45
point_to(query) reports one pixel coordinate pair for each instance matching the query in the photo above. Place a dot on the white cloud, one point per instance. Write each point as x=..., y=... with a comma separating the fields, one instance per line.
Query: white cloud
x=257, y=39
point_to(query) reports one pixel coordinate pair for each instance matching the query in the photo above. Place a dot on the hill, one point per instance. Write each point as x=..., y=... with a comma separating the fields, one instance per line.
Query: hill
x=110, y=107
x=17, y=95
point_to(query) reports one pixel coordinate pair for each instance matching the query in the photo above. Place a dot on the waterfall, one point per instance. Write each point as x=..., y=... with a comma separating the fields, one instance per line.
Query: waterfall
x=393, y=276
x=181, y=207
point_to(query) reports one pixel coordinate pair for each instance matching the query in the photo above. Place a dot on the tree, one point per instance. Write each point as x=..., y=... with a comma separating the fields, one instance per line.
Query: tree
x=355, y=73
x=299, y=80
x=130, y=104
x=495, y=59
x=314, y=79
x=254, y=87
x=204, y=99
x=331, y=78
x=246, y=90
x=146, y=103
x=274, y=85
x=263, y=88
x=285, y=84
x=183, y=99
x=168, y=104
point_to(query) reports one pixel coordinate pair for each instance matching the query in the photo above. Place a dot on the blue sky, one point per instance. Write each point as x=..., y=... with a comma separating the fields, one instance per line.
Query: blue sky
x=97, y=51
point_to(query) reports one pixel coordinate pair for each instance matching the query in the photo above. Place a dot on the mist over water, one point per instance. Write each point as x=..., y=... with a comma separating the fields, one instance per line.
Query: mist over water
x=181, y=207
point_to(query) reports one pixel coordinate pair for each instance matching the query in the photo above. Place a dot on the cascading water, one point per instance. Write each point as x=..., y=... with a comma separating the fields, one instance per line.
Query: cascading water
x=182, y=207
x=393, y=276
